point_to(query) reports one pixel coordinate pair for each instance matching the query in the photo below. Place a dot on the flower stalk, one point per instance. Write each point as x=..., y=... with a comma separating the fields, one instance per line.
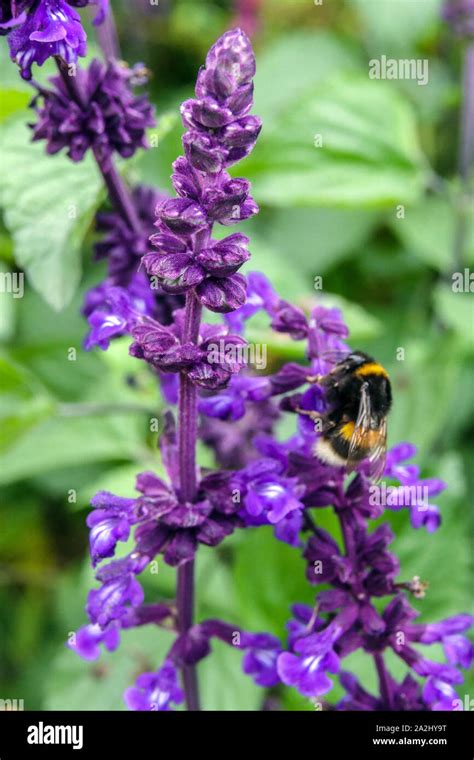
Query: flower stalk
x=118, y=192
x=185, y=605
x=384, y=683
x=187, y=438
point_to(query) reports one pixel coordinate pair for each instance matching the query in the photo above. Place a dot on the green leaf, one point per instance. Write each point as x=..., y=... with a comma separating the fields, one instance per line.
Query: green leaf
x=338, y=184
x=166, y=123
x=294, y=63
x=23, y=402
x=428, y=231
x=77, y=685
x=351, y=144
x=65, y=442
x=11, y=101
x=318, y=239
x=290, y=282
x=7, y=307
x=39, y=325
x=99, y=685
x=216, y=595
x=48, y=205
x=423, y=387
x=446, y=560
x=223, y=684
x=295, y=702
x=215, y=582
x=456, y=310
x=269, y=578
x=393, y=28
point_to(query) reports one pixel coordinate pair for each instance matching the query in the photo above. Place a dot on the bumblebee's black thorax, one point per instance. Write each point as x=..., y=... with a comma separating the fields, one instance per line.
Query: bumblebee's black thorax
x=344, y=384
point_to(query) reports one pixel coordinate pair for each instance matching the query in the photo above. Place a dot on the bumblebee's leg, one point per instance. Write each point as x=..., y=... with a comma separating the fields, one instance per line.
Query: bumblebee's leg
x=313, y=618
x=309, y=413
x=314, y=379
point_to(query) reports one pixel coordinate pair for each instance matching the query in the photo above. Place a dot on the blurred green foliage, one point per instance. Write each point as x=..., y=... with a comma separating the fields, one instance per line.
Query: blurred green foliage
x=330, y=211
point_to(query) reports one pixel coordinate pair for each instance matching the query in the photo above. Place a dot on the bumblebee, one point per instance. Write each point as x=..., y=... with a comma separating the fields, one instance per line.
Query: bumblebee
x=354, y=429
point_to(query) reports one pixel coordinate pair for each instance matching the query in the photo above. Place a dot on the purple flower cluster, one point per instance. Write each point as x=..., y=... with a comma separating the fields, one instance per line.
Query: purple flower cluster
x=170, y=518
x=155, y=691
x=219, y=133
x=413, y=492
x=320, y=638
x=231, y=418
x=164, y=522
x=358, y=573
x=282, y=485
x=209, y=363
x=279, y=488
x=39, y=29
x=271, y=497
x=110, y=119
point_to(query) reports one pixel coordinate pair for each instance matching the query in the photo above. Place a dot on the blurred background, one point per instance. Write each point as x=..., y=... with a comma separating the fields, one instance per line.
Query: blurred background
x=374, y=211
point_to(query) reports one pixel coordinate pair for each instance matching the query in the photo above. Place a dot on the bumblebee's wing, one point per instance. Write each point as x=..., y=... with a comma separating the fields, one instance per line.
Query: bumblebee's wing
x=336, y=362
x=329, y=363
x=361, y=428
x=335, y=356
x=364, y=425
x=378, y=455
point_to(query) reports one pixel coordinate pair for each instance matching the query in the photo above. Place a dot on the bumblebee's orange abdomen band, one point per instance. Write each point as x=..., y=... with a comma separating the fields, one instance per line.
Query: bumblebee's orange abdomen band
x=347, y=431
x=368, y=439
x=372, y=368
